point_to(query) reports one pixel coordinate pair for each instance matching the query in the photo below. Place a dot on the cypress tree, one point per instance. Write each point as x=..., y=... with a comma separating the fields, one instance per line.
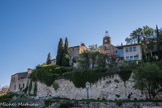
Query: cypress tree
x=59, y=53
x=49, y=59
x=65, y=61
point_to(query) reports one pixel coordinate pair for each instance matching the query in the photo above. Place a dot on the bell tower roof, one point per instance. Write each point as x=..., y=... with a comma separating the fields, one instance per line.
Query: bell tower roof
x=107, y=34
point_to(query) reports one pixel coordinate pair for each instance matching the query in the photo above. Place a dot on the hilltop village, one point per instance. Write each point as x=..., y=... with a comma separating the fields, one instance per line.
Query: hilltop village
x=132, y=52
x=107, y=72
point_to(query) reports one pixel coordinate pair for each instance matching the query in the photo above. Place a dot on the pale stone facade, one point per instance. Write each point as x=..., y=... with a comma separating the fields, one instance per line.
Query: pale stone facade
x=19, y=81
x=3, y=91
x=75, y=51
x=53, y=61
x=110, y=88
x=132, y=52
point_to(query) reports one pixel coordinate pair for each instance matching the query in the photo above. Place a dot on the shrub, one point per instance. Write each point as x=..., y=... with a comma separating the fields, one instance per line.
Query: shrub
x=65, y=104
x=55, y=85
x=125, y=74
x=48, y=102
x=48, y=73
x=8, y=97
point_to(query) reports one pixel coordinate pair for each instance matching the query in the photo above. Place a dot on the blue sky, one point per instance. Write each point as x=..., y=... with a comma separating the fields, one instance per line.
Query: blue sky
x=30, y=29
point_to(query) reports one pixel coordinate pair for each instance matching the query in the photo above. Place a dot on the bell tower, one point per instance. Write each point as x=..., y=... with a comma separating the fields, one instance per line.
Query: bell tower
x=107, y=39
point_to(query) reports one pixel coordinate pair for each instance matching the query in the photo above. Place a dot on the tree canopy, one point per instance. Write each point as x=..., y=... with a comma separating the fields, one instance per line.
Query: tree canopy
x=91, y=58
x=148, y=78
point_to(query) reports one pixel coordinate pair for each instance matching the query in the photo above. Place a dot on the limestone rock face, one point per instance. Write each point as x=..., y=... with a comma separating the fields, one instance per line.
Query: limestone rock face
x=110, y=88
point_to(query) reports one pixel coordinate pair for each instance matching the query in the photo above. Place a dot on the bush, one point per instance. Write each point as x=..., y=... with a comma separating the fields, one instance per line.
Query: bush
x=125, y=74
x=66, y=104
x=48, y=73
x=48, y=102
x=55, y=85
x=8, y=97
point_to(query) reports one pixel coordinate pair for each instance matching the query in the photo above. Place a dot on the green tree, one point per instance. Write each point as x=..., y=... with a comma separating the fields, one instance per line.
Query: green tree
x=65, y=60
x=93, y=47
x=49, y=59
x=84, y=60
x=148, y=78
x=90, y=58
x=144, y=36
x=59, y=53
x=159, y=42
x=101, y=61
x=140, y=34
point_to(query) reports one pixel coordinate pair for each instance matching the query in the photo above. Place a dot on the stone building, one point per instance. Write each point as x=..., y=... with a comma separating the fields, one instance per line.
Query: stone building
x=3, y=91
x=19, y=81
x=53, y=61
x=107, y=47
x=130, y=52
x=75, y=51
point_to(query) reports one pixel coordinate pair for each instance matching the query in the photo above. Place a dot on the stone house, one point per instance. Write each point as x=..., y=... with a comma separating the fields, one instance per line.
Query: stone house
x=53, y=61
x=130, y=52
x=75, y=51
x=3, y=91
x=19, y=81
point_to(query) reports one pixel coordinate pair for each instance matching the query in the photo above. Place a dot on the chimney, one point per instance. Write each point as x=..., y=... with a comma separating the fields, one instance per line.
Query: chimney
x=82, y=44
x=29, y=70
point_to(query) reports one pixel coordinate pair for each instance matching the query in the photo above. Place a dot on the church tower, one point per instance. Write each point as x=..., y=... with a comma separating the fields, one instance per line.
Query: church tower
x=107, y=39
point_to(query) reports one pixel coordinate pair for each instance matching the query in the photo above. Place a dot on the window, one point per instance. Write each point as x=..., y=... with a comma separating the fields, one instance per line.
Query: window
x=135, y=57
x=120, y=52
x=127, y=58
x=134, y=49
x=105, y=41
x=130, y=49
x=126, y=50
x=131, y=57
x=13, y=79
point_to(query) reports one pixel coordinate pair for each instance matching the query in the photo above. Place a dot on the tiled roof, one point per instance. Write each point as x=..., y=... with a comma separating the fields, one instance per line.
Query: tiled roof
x=127, y=45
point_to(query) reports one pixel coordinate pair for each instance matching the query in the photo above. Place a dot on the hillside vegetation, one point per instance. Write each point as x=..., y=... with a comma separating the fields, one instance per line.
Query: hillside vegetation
x=49, y=73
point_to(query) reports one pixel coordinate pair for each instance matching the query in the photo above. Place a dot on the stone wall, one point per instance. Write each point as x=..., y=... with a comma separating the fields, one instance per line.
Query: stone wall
x=110, y=88
x=113, y=105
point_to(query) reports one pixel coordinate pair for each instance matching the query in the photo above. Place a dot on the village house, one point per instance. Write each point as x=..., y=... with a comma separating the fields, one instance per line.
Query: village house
x=75, y=51
x=130, y=52
x=19, y=81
